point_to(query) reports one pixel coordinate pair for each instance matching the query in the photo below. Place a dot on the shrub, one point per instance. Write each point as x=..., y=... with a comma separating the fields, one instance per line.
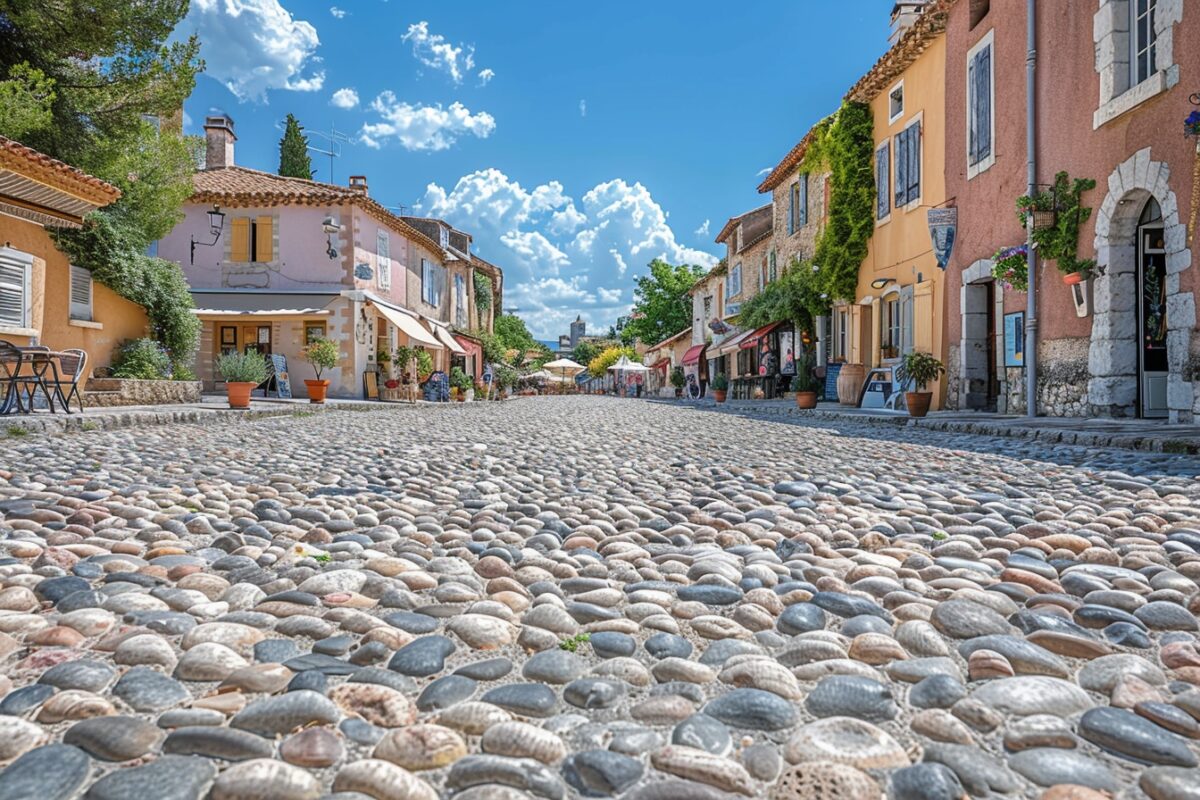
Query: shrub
x=721, y=382
x=322, y=354
x=248, y=367
x=921, y=369
x=677, y=378
x=424, y=364
x=459, y=379
x=804, y=380
x=183, y=373
x=143, y=359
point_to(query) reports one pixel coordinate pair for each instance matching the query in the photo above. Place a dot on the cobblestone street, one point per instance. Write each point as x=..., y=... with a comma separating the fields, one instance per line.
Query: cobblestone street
x=585, y=596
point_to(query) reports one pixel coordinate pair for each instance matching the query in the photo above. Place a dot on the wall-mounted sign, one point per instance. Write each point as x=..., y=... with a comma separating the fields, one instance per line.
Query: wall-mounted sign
x=718, y=326
x=363, y=272
x=1014, y=339
x=279, y=373
x=788, y=353
x=732, y=309
x=943, y=224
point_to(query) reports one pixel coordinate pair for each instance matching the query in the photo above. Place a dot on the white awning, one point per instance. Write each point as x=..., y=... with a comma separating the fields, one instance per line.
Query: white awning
x=410, y=326
x=448, y=340
x=277, y=313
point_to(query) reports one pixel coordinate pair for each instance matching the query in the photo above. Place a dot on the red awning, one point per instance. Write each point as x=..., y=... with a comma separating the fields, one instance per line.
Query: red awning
x=752, y=339
x=661, y=365
x=470, y=345
x=693, y=354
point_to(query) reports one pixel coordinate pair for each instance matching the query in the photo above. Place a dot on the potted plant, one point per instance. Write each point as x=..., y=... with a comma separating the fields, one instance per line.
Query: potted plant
x=322, y=354
x=460, y=383
x=804, y=384
x=720, y=385
x=1010, y=266
x=383, y=358
x=678, y=380
x=241, y=373
x=1039, y=209
x=922, y=369
x=424, y=364
x=1059, y=241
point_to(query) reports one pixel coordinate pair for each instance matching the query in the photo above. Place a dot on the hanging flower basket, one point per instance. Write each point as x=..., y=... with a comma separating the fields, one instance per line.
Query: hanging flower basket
x=1010, y=266
x=1042, y=220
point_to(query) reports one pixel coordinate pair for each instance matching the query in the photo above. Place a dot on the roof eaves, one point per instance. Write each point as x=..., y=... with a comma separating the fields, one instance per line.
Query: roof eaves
x=931, y=24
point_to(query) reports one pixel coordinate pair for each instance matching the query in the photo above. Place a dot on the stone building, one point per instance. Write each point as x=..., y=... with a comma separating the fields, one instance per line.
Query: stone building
x=798, y=205
x=1113, y=79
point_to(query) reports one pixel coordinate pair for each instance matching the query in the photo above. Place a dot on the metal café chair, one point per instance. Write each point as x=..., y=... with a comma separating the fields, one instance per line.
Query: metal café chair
x=11, y=359
x=71, y=366
x=39, y=359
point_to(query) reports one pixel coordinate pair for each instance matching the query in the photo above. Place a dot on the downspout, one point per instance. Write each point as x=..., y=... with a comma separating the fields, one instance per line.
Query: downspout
x=1031, y=167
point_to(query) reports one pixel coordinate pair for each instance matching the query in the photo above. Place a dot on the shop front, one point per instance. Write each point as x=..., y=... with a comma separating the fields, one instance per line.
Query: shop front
x=763, y=367
x=695, y=370
x=471, y=357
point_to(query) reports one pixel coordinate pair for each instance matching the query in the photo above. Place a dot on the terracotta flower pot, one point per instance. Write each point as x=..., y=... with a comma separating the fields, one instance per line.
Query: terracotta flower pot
x=239, y=393
x=918, y=403
x=316, y=390
x=806, y=399
x=719, y=395
x=1073, y=278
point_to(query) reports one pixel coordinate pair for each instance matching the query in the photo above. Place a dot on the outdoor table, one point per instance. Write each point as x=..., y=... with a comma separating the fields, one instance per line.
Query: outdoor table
x=40, y=360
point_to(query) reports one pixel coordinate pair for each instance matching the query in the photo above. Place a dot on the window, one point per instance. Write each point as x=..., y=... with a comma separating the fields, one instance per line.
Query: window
x=81, y=293
x=896, y=102
x=793, y=191
x=383, y=251
x=431, y=283
x=841, y=333
x=733, y=286
x=979, y=10
x=15, y=268
x=908, y=165
x=313, y=331
x=707, y=310
x=772, y=274
x=981, y=98
x=460, y=301
x=252, y=240
x=1142, y=40
x=889, y=327
x=443, y=236
x=883, y=181
x=802, y=201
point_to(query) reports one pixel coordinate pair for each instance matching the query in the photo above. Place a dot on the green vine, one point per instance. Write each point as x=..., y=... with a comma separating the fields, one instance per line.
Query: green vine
x=797, y=296
x=1060, y=241
x=844, y=146
x=483, y=295
x=106, y=249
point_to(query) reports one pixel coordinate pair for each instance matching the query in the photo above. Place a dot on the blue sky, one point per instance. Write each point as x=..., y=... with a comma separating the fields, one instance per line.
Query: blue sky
x=575, y=141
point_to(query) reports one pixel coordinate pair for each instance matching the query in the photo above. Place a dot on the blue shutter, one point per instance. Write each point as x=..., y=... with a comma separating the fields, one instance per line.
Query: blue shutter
x=973, y=101
x=791, y=210
x=901, y=169
x=914, y=167
x=804, y=198
x=883, y=182
x=983, y=72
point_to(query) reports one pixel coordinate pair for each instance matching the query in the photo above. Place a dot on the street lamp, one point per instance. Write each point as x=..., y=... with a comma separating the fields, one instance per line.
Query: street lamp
x=216, y=223
x=330, y=226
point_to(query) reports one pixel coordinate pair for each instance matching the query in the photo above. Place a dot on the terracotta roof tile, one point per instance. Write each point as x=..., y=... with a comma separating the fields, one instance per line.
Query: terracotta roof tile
x=60, y=175
x=930, y=25
x=754, y=217
x=788, y=165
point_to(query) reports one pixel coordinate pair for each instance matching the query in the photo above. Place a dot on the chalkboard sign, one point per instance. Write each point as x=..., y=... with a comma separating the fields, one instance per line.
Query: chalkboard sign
x=437, y=388
x=831, y=375
x=279, y=379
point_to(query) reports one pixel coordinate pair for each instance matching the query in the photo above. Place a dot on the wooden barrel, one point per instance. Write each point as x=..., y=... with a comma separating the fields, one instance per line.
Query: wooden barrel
x=849, y=383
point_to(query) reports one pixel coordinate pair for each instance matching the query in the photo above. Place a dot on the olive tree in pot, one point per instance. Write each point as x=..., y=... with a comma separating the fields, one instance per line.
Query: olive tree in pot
x=720, y=386
x=804, y=384
x=922, y=369
x=241, y=373
x=678, y=380
x=322, y=354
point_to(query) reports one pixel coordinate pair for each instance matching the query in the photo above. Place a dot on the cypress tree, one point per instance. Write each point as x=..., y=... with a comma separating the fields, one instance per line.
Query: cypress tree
x=293, y=152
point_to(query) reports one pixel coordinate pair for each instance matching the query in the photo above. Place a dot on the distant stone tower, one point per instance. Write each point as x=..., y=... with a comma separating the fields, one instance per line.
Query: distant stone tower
x=578, y=331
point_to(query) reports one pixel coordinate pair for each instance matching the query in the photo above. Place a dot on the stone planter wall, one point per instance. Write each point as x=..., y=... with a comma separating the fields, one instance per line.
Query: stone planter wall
x=112, y=392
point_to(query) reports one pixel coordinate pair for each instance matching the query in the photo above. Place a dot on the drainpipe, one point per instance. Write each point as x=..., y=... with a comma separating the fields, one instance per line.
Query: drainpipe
x=1031, y=166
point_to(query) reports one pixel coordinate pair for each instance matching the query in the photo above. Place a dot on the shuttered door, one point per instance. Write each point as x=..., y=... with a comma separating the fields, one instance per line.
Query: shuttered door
x=81, y=293
x=854, y=336
x=264, y=241
x=15, y=267
x=239, y=247
x=906, y=319
x=922, y=318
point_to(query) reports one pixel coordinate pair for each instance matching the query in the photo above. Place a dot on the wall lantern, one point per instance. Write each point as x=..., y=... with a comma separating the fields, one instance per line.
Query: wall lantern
x=330, y=227
x=216, y=223
x=880, y=283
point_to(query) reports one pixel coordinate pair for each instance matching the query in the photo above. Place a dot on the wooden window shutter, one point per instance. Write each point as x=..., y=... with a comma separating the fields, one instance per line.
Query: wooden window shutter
x=264, y=241
x=239, y=249
x=81, y=293
x=803, y=215
x=983, y=78
x=791, y=226
x=914, y=166
x=883, y=182
x=15, y=269
x=923, y=317
x=901, y=169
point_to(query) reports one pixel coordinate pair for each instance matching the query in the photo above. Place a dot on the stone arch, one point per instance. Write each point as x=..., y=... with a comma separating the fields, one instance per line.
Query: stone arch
x=1112, y=352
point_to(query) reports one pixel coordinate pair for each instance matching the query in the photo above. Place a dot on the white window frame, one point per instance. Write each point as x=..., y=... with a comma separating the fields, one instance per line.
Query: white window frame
x=917, y=119
x=1135, y=48
x=24, y=262
x=383, y=260
x=81, y=310
x=1114, y=62
x=841, y=330
x=895, y=115
x=730, y=283
x=987, y=40
x=443, y=236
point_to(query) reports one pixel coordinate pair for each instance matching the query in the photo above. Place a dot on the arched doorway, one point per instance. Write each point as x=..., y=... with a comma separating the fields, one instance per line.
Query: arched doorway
x=1151, y=308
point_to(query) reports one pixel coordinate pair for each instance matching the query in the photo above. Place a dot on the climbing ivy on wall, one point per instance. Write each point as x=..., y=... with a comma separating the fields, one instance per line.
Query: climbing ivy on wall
x=843, y=145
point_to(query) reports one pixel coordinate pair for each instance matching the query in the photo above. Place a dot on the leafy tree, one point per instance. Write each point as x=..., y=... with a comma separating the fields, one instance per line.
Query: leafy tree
x=598, y=366
x=294, y=161
x=797, y=296
x=585, y=351
x=483, y=295
x=662, y=306
x=513, y=334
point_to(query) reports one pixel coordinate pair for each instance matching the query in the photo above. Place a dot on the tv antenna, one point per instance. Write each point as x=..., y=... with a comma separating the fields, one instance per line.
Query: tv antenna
x=401, y=210
x=334, y=141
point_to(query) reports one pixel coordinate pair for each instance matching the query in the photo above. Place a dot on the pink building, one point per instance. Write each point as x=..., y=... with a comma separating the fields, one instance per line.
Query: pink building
x=288, y=260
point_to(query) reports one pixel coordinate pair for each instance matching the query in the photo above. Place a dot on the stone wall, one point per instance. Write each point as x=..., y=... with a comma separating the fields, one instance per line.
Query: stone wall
x=1062, y=380
x=953, y=377
x=112, y=392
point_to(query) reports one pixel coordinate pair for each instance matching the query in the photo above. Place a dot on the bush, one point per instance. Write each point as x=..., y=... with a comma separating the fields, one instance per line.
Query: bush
x=920, y=368
x=721, y=382
x=183, y=373
x=804, y=380
x=459, y=379
x=677, y=378
x=424, y=364
x=322, y=354
x=248, y=367
x=143, y=359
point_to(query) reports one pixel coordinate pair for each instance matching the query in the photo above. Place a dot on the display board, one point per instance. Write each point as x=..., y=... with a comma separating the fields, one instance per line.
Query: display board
x=371, y=384
x=831, y=377
x=278, y=380
x=1014, y=339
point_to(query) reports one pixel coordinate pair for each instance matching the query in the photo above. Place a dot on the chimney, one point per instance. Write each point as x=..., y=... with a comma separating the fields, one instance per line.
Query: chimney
x=904, y=14
x=219, y=139
x=359, y=183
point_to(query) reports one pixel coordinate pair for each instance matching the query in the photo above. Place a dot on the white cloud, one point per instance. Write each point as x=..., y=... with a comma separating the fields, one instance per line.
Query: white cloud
x=485, y=76
x=423, y=127
x=762, y=172
x=338, y=13
x=344, y=98
x=561, y=257
x=583, y=108
x=435, y=52
x=253, y=46
x=703, y=229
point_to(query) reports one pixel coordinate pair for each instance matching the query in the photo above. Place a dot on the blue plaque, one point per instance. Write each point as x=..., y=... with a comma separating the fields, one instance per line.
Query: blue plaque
x=363, y=272
x=1014, y=339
